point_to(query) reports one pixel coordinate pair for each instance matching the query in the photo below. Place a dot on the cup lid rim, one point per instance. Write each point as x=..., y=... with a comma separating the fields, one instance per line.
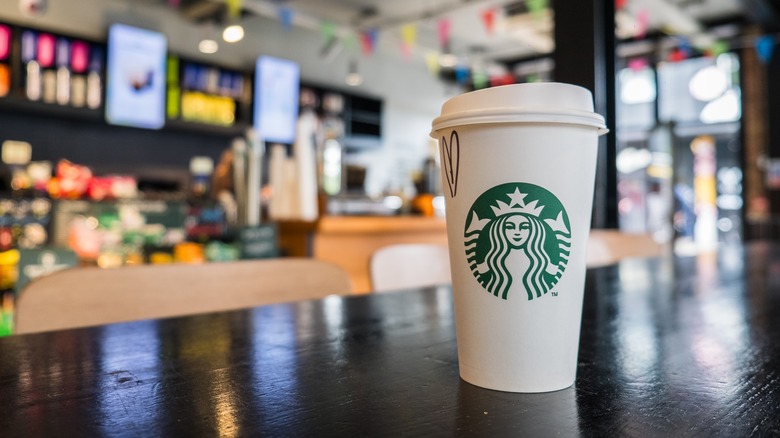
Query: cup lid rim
x=518, y=115
x=540, y=102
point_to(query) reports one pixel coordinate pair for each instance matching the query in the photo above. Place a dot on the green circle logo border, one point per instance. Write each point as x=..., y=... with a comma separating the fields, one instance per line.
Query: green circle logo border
x=523, y=217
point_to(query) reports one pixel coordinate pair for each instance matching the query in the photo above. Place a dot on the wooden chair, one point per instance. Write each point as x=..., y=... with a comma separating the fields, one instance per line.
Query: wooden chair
x=401, y=266
x=606, y=247
x=82, y=297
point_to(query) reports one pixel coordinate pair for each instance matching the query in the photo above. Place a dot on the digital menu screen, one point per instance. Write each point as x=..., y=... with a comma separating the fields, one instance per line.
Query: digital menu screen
x=135, y=78
x=277, y=83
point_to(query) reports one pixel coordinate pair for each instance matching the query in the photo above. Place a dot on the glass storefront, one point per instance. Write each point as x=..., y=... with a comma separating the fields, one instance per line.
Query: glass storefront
x=679, y=149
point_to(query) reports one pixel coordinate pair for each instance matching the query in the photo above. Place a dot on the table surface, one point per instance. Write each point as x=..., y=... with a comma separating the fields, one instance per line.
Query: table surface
x=669, y=347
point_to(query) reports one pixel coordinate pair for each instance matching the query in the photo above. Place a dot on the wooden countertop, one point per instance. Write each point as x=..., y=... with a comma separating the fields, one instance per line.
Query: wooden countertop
x=682, y=346
x=349, y=241
x=379, y=224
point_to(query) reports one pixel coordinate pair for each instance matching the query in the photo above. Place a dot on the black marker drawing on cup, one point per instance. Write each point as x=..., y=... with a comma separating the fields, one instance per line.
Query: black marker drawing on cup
x=450, y=158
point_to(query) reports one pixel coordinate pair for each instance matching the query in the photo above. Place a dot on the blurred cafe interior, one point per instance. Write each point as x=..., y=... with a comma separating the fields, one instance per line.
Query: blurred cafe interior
x=204, y=131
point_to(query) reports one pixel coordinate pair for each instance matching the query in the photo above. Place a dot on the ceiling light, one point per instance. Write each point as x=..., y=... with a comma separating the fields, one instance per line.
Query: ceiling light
x=208, y=46
x=233, y=33
x=353, y=78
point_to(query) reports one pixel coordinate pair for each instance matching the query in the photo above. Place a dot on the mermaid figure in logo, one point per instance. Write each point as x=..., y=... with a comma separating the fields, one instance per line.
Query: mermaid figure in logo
x=517, y=231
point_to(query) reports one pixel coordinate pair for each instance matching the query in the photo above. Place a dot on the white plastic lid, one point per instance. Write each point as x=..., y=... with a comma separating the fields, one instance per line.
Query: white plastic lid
x=546, y=102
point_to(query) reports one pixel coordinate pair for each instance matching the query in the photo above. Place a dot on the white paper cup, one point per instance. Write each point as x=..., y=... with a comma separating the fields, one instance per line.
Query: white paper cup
x=518, y=171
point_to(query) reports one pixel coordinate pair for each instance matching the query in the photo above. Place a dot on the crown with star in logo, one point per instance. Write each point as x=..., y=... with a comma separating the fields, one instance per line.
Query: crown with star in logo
x=517, y=204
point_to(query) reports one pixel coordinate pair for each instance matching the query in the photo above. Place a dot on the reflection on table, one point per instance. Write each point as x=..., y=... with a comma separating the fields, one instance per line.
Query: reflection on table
x=670, y=347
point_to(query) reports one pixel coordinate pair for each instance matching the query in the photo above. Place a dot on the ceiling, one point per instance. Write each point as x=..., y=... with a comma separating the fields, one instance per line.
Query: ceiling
x=516, y=33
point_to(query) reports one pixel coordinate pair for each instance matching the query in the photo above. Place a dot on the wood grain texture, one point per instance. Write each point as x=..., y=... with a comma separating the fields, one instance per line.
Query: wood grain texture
x=82, y=297
x=669, y=347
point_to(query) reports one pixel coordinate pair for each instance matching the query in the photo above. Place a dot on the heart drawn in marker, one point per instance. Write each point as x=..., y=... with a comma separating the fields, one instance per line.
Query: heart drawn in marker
x=450, y=158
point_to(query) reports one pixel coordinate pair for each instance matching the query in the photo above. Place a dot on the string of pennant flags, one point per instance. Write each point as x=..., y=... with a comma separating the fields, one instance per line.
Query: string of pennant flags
x=763, y=44
x=365, y=40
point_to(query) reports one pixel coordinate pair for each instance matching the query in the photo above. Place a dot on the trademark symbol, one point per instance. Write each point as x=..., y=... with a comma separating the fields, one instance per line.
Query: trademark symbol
x=555, y=294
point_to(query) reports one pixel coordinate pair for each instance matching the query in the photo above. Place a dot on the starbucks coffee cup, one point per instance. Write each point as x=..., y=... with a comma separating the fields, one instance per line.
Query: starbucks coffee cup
x=518, y=171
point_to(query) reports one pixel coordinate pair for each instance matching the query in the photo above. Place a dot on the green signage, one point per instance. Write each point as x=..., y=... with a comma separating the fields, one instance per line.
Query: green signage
x=35, y=263
x=259, y=242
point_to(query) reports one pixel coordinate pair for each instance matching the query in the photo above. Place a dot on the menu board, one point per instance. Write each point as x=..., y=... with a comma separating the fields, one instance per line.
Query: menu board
x=277, y=83
x=135, y=82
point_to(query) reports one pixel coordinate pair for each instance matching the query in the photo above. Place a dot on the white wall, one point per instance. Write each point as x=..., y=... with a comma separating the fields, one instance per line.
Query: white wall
x=412, y=97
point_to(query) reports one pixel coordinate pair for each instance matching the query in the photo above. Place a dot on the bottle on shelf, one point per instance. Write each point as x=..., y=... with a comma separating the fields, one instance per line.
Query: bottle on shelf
x=5, y=80
x=46, y=59
x=5, y=41
x=79, y=63
x=94, y=82
x=201, y=168
x=32, y=85
x=5, y=50
x=62, y=59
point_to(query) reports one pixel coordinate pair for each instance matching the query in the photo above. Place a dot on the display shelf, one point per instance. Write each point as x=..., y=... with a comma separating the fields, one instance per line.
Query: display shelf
x=13, y=103
x=361, y=116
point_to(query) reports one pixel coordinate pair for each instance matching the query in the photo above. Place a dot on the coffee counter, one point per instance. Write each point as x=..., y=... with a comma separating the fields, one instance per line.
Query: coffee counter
x=349, y=241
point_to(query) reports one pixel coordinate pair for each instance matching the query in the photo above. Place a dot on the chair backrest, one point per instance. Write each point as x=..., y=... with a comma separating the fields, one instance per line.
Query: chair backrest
x=81, y=297
x=606, y=247
x=401, y=266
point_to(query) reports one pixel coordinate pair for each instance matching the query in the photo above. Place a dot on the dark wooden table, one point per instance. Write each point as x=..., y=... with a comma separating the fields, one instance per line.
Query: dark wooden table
x=670, y=347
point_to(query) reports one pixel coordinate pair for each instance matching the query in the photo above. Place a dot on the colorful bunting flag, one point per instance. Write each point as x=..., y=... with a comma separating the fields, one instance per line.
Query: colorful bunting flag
x=461, y=74
x=285, y=17
x=719, y=47
x=620, y=4
x=406, y=51
x=432, y=62
x=642, y=24
x=368, y=40
x=537, y=8
x=677, y=55
x=174, y=3
x=533, y=77
x=409, y=34
x=505, y=79
x=408, y=39
x=765, y=46
x=489, y=20
x=637, y=64
x=479, y=79
x=234, y=7
x=328, y=31
x=685, y=46
x=444, y=25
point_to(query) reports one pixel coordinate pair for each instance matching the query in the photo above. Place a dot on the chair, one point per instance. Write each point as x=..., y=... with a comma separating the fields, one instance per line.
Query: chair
x=606, y=247
x=407, y=265
x=83, y=297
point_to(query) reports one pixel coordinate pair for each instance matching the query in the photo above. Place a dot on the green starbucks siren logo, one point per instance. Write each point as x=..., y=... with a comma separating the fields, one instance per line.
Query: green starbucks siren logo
x=517, y=230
